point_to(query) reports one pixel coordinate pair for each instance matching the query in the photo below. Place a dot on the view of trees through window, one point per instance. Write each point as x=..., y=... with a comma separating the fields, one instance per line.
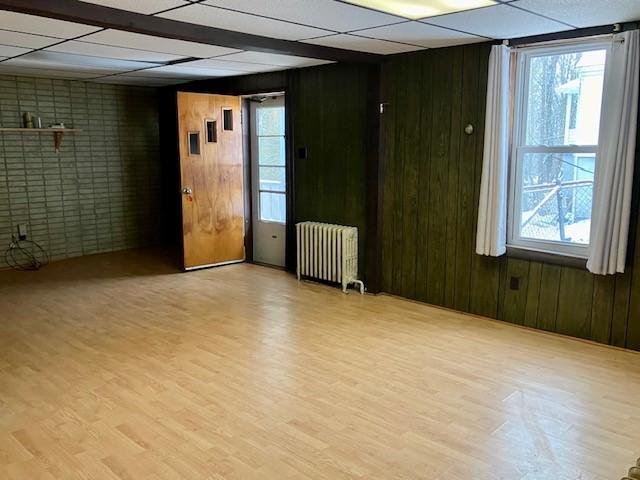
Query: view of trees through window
x=557, y=152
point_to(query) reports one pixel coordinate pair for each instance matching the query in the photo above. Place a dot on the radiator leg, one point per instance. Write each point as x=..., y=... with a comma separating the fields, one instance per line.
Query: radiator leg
x=361, y=283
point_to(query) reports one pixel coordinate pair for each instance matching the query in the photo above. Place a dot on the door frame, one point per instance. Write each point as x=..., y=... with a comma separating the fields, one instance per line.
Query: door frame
x=289, y=241
x=172, y=155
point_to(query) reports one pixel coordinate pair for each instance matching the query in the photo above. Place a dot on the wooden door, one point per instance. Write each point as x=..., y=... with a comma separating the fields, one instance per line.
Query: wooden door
x=211, y=169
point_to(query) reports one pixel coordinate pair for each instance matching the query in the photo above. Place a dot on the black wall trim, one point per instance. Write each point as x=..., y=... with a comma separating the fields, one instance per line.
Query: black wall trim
x=107, y=17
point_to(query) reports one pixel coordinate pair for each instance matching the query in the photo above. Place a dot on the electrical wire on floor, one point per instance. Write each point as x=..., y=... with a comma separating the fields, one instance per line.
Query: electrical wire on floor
x=25, y=255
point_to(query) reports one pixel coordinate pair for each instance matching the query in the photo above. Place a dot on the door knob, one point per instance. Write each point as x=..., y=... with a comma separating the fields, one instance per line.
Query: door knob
x=187, y=190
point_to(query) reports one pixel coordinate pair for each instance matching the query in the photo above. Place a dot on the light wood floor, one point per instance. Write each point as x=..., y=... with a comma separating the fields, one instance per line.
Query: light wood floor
x=117, y=367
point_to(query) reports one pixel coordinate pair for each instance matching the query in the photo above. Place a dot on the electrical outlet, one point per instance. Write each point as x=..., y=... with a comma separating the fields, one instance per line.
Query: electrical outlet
x=22, y=231
x=514, y=283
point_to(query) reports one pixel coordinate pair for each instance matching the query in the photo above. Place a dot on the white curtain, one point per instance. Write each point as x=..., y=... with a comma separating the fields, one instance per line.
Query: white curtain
x=616, y=156
x=491, y=236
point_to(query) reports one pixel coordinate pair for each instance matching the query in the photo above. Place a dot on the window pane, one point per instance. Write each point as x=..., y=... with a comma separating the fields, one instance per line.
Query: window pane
x=270, y=120
x=557, y=196
x=273, y=207
x=272, y=178
x=564, y=98
x=271, y=150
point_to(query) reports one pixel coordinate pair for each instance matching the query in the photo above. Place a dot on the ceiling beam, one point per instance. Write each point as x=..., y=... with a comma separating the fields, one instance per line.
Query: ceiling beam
x=107, y=17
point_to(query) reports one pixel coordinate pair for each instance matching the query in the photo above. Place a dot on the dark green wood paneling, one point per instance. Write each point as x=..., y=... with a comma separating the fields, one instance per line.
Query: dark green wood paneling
x=575, y=300
x=330, y=120
x=431, y=186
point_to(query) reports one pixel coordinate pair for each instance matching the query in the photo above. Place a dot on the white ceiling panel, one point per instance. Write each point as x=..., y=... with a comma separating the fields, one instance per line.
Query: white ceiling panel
x=150, y=43
x=139, y=6
x=66, y=61
x=25, y=40
x=185, y=71
x=273, y=59
x=585, y=13
x=242, y=22
x=328, y=14
x=362, y=44
x=21, y=22
x=9, y=51
x=417, y=33
x=243, y=67
x=499, y=21
x=10, y=68
x=97, y=50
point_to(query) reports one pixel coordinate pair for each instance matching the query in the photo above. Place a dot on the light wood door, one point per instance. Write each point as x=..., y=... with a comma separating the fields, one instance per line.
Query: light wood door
x=211, y=169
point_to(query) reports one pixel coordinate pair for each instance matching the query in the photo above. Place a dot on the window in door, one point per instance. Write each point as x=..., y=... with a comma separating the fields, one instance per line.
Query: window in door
x=555, y=149
x=271, y=163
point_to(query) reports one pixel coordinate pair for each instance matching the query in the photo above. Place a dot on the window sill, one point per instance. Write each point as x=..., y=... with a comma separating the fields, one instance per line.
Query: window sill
x=545, y=257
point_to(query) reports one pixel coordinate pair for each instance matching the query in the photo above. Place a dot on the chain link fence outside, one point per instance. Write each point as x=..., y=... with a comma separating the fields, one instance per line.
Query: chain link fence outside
x=559, y=212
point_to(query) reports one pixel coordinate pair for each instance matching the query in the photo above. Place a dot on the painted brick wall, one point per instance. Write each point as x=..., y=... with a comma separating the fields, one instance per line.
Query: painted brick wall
x=102, y=191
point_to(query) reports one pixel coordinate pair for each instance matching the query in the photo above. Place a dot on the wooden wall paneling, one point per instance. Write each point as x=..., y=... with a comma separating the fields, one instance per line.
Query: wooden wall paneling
x=373, y=180
x=438, y=175
x=632, y=334
x=620, y=314
x=465, y=235
x=602, y=308
x=426, y=95
x=548, y=304
x=515, y=300
x=330, y=116
x=457, y=124
x=411, y=207
x=403, y=103
x=389, y=81
x=574, y=302
x=533, y=295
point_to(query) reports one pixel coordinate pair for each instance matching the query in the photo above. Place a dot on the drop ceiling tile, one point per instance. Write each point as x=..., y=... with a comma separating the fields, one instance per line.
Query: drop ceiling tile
x=8, y=51
x=119, y=38
x=362, y=44
x=21, y=22
x=66, y=61
x=499, y=21
x=242, y=22
x=585, y=13
x=25, y=40
x=7, y=68
x=244, y=67
x=97, y=50
x=329, y=14
x=417, y=33
x=139, y=6
x=185, y=71
x=274, y=59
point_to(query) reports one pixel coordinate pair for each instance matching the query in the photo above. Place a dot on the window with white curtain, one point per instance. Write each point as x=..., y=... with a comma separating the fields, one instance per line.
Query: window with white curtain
x=557, y=105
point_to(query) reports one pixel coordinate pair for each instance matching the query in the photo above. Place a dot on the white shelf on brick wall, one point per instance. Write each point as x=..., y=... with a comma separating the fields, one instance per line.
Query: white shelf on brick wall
x=58, y=133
